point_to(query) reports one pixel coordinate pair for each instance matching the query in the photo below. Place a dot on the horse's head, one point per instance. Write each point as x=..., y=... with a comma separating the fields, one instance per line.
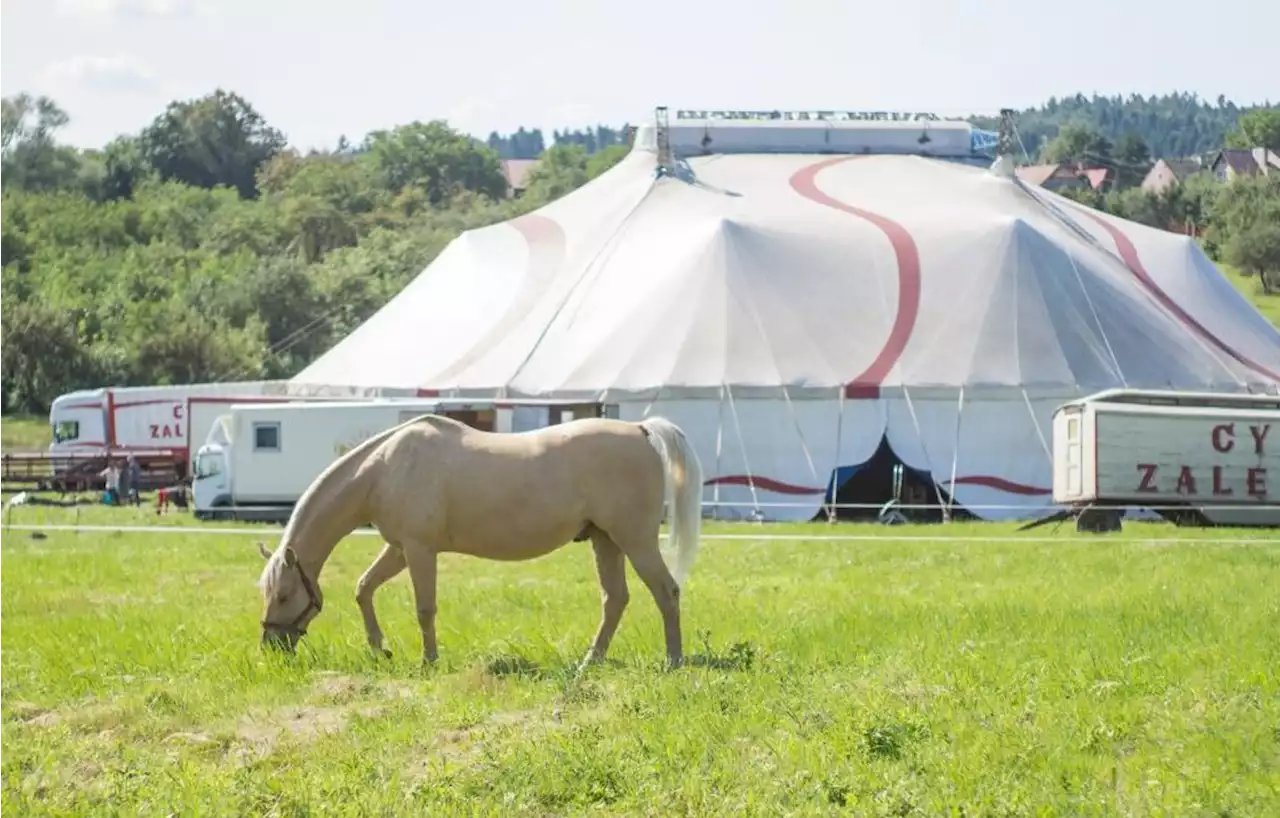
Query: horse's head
x=290, y=599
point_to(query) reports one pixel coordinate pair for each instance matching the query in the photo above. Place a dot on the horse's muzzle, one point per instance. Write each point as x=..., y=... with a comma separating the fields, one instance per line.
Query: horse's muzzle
x=280, y=639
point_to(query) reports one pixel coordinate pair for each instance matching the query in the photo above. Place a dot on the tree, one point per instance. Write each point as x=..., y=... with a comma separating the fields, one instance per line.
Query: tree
x=1259, y=128
x=439, y=160
x=1076, y=143
x=30, y=159
x=1132, y=159
x=559, y=170
x=215, y=140
x=1256, y=251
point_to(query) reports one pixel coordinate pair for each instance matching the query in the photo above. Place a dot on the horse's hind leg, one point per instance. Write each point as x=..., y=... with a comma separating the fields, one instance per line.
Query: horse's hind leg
x=646, y=558
x=387, y=564
x=612, y=568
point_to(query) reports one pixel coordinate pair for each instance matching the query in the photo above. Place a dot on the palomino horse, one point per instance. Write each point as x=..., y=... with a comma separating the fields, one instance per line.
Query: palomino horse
x=435, y=485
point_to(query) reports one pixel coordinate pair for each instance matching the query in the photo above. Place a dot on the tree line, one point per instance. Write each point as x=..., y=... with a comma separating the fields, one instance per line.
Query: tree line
x=205, y=248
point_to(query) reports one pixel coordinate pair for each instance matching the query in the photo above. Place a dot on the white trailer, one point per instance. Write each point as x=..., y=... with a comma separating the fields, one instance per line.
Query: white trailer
x=260, y=458
x=1206, y=457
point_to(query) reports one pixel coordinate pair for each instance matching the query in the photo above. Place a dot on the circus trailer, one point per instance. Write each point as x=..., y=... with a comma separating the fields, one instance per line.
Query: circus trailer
x=259, y=458
x=141, y=420
x=1191, y=457
x=155, y=421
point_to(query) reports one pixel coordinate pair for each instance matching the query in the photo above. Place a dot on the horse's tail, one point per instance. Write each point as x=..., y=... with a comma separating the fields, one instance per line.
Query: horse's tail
x=683, y=491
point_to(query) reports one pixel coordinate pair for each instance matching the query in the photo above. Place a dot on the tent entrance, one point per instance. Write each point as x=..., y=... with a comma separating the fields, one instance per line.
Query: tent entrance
x=864, y=493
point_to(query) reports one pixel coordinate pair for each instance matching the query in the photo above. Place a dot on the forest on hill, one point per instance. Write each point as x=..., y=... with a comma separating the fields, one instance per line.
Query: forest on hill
x=1170, y=125
x=205, y=248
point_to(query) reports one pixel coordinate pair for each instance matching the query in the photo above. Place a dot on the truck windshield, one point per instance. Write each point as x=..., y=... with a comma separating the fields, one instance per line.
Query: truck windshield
x=208, y=465
x=66, y=430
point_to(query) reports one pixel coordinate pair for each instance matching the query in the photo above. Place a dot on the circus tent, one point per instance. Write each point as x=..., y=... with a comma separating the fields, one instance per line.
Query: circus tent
x=797, y=296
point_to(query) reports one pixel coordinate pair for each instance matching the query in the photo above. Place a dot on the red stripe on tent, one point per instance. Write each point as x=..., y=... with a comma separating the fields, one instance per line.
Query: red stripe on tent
x=766, y=483
x=1000, y=484
x=1129, y=255
x=866, y=385
x=547, y=242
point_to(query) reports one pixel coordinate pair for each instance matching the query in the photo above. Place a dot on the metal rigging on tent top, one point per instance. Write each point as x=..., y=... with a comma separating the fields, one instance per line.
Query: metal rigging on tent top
x=665, y=162
x=1004, y=164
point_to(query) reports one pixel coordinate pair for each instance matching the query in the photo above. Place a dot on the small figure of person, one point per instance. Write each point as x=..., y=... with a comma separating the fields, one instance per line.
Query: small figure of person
x=112, y=475
x=133, y=492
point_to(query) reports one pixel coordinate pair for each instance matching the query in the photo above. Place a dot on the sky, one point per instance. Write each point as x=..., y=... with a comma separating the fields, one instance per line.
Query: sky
x=321, y=69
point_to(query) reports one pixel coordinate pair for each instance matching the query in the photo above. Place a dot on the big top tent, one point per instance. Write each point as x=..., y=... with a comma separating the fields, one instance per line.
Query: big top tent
x=800, y=295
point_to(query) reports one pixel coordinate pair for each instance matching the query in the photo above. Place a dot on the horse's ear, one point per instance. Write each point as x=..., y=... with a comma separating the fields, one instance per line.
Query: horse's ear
x=290, y=557
x=262, y=549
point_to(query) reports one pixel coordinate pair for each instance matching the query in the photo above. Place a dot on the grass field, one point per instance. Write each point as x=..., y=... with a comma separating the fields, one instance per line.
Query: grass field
x=977, y=675
x=22, y=433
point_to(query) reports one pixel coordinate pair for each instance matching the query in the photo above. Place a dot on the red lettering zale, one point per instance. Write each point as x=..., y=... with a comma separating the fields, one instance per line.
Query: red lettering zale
x=1229, y=431
x=1148, y=477
x=1186, y=481
x=1259, y=434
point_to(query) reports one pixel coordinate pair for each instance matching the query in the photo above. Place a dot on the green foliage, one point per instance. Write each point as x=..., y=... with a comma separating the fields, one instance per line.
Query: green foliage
x=216, y=140
x=1258, y=129
x=1002, y=675
x=436, y=159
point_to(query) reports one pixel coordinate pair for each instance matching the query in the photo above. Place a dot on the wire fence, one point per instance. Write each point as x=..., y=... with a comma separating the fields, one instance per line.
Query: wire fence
x=761, y=536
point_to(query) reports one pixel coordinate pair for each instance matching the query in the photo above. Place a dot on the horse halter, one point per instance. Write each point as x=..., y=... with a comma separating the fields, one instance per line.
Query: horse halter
x=313, y=601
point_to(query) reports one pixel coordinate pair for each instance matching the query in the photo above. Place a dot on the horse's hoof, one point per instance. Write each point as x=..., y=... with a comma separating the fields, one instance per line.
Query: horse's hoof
x=386, y=654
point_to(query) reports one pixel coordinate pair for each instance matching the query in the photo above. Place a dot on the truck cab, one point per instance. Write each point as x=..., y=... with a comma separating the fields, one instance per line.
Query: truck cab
x=211, y=477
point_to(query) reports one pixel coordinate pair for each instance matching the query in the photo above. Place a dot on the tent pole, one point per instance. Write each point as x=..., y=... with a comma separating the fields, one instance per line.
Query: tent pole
x=923, y=447
x=746, y=462
x=955, y=458
x=831, y=499
x=719, y=449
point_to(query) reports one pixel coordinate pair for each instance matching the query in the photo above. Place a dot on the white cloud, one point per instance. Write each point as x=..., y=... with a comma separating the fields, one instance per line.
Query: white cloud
x=137, y=9
x=102, y=74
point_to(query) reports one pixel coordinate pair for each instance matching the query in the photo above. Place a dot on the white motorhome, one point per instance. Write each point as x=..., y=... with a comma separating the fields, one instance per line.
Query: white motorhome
x=260, y=458
x=1178, y=453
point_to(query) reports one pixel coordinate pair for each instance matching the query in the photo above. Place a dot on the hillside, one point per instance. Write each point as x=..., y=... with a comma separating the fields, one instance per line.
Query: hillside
x=1172, y=125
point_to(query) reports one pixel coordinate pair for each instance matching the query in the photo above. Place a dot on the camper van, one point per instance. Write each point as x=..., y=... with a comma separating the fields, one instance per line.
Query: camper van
x=259, y=459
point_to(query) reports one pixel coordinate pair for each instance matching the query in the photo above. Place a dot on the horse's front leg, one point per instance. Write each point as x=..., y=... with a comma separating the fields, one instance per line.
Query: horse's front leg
x=422, y=571
x=388, y=564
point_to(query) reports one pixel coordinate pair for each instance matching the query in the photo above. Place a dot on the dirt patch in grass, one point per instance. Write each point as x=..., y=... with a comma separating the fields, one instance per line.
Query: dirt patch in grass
x=263, y=730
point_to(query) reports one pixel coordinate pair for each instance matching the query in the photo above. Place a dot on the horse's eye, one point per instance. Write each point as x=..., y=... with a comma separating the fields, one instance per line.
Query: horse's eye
x=280, y=598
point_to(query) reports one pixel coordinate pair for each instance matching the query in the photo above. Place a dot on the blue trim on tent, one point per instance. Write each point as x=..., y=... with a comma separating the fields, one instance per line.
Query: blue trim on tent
x=839, y=476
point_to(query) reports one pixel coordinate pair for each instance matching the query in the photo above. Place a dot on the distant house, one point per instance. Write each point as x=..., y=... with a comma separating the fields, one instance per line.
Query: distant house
x=1166, y=173
x=1063, y=177
x=1233, y=162
x=517, y=173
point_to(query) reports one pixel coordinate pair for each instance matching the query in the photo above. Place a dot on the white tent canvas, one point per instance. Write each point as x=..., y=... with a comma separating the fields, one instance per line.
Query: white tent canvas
x=792, y=309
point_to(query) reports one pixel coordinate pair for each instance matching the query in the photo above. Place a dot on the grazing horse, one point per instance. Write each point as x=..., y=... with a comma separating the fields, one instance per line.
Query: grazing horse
x=434, y=485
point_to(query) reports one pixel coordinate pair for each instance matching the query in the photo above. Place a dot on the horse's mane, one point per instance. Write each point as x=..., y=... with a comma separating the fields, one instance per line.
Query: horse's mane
x=273, y=571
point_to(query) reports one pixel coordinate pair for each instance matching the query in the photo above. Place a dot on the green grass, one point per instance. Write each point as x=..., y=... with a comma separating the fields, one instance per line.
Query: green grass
x=1267, y=304
x=1115, y=675
x=19, y=433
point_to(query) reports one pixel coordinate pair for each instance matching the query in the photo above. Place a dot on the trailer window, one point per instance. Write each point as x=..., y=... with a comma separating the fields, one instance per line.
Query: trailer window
x=266, y=437
x=66, y=430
